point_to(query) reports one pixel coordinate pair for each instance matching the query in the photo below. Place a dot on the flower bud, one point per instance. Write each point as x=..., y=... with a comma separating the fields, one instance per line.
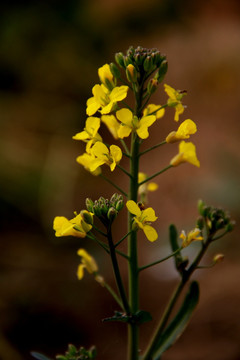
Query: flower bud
x=112, y=214
x=152, y=86
x=131, y=73
x=230, y=226
x=200, y=205
x=119, y=58
x=87, y=216
x=89, y=204
x=96, y=210
x=200, y=223
x=218, y=258
x=148, y=64
x=161, y=71
x=119, y=205
x=115, y=71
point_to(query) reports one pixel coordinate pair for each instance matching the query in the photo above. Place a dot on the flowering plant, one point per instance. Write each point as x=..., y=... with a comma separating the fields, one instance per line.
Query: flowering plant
x=140, y=71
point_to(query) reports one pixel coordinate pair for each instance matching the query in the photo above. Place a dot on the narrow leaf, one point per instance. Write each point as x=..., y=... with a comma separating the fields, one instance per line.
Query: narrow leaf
x=179, y=323
x=180, y=263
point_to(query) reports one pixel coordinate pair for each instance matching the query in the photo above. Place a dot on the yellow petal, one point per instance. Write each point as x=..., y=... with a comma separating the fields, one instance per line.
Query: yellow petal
x=150, y=233
x=118, y=93
x=92, y=125
x=83, y=135
x=80, y=271
x=116, y=153
x=92, y=106
x=112, y=124
x=100, y=150
x=170, y=91
x=124, y=131
x=133, y=208
x=149, y=215
x=125, y=116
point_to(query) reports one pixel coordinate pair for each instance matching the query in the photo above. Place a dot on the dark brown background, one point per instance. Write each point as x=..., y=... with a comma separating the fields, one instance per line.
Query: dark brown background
x=49, y=55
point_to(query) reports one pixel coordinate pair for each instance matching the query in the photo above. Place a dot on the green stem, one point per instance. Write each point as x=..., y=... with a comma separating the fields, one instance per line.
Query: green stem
x=98, y=230
x=159, y=261
x=160, y=108
x=133, y=331
x=154, y=175
x=152, y=148
x=113, y=184
x=123, y=238
x=117, y=274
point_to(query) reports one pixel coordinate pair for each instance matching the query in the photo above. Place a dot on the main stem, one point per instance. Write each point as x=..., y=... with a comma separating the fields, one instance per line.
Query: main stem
x=133, y=331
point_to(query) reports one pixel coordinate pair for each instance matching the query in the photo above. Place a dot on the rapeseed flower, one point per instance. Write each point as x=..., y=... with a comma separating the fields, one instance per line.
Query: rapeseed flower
x=175, y=97
x=144, y=188
x=86, y=160
x=193, y=235
x=74, y=227
x=106, y=77
x=103, y=155
x=105, y=99
x=151, y=108
x=130, y=122
x=90, y=132
x=88, y=263
x=187, y=128
x=187, y=153
x=143, y=219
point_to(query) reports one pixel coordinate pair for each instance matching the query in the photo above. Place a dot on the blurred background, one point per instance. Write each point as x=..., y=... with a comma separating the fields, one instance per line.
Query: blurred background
x=49, y=55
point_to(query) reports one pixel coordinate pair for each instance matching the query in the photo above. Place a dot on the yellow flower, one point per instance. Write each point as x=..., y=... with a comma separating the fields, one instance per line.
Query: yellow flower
x=106, y=76
x=187, y=128
x=144, y=188
x=112, y=124
x=104, y=99
x=131, y=123
x=88, y=263
x=74, y=227
x=143, y=218
x=86, y=160
x=103, y=155
x=151, y=108
x=174, y=100
x=90, y=132
x=193, y=235
x=187, y=153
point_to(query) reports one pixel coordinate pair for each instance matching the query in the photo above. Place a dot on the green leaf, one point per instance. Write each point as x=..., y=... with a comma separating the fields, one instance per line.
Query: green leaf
x=39, y=356
x=179, y=323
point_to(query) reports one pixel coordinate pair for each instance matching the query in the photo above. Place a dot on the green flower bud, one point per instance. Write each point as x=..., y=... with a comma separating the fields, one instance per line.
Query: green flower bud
x=119, y=58
x=200, y=206
x=115, y=71
x=96, y=210
x=89, y=204
x=230, y=226
x=161, y=71
x=148, y=64
x=152, y=86
x=87, y=216
x=119, y=205
x=200, y=223
x=104, y=209
x=112, y=214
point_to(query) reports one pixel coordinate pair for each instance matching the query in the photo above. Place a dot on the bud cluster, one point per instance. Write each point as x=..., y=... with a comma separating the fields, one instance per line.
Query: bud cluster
x=139, y=63
x=77, y=354
x=106, y=210
x=214, y=218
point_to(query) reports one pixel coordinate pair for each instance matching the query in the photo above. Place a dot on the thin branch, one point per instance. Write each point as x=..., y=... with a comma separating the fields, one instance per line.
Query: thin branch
x=123, y=238
x=154, y=175
x=152, y=148
x=123, y=170
x=125, y=148
x=113, y=184
x=159, y=261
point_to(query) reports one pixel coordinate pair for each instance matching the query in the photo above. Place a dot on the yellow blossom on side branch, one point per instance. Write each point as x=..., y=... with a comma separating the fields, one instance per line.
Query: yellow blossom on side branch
x=90, y=132
x=130, y=123
x=187, y=153
x=187, y=128
x=88, y=263
x=103, y=155
x=143, y=219
x=150, y=110
x=106, y=77
x=174, y=100
x=104, y=99
x=193, y=235
x=74, y=227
